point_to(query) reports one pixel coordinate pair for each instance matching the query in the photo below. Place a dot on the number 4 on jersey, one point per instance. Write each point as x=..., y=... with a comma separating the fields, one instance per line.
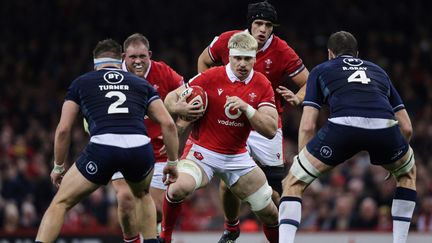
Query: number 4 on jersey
x=359, y=76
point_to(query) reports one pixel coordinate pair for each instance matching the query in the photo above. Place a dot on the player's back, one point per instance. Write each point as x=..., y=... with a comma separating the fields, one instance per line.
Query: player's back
x=353, y=87
x=112, y=101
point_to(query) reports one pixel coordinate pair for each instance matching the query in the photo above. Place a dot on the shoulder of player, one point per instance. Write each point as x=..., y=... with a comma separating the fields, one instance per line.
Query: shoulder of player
x=85, y=77
x=372, y=64
x=209, y=74
x=162, y=66
x=281, y=45
x=159, y=64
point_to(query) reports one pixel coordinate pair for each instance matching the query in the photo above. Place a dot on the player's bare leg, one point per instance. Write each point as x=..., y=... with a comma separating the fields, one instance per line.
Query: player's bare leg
x=73, y=188
x=158, y=196
x=126, y=205
x=189, y=176
x=254, y=189
x=145, y=211
x=231, y=207
x=146, y=214
x=291, y=202
x=404, y=200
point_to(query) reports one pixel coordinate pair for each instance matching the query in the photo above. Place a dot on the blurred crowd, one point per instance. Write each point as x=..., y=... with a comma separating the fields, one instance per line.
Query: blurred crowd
x=46, y=44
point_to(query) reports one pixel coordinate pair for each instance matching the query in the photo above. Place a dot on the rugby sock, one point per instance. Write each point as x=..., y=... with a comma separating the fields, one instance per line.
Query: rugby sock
x=135, y=239
x=271, y=233
x=403, y=205
x=171, y=211
x=232, y=226
x=289, y=218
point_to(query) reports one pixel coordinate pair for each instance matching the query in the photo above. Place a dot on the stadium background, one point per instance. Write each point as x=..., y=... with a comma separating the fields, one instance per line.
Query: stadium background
x=45, y=44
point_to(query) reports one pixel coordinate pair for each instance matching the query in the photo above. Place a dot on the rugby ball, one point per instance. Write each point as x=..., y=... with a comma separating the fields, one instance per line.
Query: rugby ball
x=197, y=96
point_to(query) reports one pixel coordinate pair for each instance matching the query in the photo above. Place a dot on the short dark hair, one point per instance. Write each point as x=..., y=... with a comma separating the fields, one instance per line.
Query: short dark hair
x=107, y=48
x=342, y=42
x=136, y=38
x=261, y=10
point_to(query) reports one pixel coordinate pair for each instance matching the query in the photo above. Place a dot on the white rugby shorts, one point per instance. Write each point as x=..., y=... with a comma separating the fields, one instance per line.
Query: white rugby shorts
x=228, y=167
x=266, y=152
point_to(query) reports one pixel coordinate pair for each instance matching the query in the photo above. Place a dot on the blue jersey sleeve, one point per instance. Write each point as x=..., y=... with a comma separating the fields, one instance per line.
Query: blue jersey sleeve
x=314, y=96
x=153, y=95
x=395, y=99
x=73, y=92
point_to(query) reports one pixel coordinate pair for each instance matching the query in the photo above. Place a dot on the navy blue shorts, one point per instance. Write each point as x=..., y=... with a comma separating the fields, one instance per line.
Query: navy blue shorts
x=99, y=162
x=275, y=175
x=334, y=143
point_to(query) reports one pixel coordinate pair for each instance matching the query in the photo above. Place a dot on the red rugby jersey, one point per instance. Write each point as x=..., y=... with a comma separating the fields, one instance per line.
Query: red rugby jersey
x=220, y=129
x=164, y=79
x=275, y=60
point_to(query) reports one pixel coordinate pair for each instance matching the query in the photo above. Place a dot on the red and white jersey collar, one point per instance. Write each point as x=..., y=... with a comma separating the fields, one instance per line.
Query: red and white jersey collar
x=266, y=44
x=234, y=78
x=146, y=73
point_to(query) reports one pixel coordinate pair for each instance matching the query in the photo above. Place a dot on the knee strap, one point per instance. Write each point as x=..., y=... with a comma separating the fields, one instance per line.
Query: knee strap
x=261, y=198
x=191, y=168
x=303, y=170
x=405, y=167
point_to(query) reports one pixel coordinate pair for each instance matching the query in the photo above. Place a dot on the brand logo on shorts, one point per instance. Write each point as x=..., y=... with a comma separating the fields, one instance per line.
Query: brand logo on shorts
x=397, y=154
x=198, y=155
x=91, y=168
x=326, y=151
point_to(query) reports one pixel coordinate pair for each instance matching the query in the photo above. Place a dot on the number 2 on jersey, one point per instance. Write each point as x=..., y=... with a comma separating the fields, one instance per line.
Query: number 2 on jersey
x=114, y=107
x=359, y=76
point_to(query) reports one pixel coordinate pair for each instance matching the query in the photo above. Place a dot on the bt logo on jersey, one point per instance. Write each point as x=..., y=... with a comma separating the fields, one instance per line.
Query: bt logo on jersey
x=355, y=62
x=113, y=77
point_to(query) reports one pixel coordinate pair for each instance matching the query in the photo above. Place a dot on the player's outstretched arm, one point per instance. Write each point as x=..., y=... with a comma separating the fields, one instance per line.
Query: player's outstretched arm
x=300, y=80
x=288, y=95
x=62, y=139
x=204, y=61
x=307, y=126
x=158, y=113
x=404, y=123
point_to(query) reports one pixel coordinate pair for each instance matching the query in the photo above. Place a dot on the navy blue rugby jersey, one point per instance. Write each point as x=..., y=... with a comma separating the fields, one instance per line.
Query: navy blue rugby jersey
x=112, y=101
x=352, y=87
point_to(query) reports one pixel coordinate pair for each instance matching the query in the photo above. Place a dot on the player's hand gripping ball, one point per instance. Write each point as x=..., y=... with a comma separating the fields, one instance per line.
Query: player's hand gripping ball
x=197, y=96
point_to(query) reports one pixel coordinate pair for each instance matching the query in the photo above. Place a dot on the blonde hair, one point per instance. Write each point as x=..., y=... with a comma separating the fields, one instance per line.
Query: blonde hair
x=243, y=41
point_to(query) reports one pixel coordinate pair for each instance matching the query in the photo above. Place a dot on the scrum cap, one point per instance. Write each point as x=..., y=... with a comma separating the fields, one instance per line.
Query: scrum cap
x=261, y=10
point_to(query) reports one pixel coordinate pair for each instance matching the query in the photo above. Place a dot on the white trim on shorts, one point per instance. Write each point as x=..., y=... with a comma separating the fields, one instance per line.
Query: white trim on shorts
x=364, y=122
x=228, y=167
x=121, y=140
